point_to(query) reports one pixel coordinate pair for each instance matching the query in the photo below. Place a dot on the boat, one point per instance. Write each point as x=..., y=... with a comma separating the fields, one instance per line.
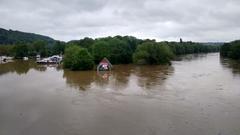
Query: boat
x=55, y=59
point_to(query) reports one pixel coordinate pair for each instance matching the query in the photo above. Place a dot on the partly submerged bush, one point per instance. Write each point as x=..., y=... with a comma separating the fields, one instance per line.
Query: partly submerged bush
x=231, y=50
x=153, y=53
x=77, y=58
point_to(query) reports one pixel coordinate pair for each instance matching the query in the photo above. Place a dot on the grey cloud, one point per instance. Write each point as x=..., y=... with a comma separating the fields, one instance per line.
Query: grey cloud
x=205, y=20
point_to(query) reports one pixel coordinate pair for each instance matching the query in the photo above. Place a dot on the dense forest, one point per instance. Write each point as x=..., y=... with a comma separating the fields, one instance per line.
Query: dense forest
x=10, y=37
x=85, y=53
x=231, y=50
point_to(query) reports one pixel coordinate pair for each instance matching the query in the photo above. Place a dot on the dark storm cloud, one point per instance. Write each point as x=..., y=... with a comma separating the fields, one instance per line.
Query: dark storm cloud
x=205, y=20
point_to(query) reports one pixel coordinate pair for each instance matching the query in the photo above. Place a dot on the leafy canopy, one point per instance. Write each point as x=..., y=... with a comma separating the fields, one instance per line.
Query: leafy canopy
x=77, y=58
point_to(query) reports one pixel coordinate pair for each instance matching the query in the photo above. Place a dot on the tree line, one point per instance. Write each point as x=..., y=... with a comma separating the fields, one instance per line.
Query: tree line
x=231, y=50
x=85, y=53
x=127, y=49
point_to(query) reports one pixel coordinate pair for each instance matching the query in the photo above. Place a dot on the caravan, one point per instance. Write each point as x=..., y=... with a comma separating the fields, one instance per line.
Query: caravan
x=55, y=59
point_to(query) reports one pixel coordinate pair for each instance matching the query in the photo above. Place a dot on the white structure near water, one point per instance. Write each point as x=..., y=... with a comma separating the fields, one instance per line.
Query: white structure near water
x=55, y=59
x=5, y=59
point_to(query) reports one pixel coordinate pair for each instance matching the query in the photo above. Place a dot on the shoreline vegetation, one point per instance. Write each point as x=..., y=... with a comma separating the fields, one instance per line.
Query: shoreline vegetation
x=86, y=53
x=231, y=50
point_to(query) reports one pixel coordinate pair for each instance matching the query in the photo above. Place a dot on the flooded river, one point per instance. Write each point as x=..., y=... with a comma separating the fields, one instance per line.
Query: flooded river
x=197, y=95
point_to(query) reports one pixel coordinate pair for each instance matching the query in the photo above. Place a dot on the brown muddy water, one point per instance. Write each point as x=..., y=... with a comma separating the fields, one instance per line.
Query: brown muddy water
x=197, y=95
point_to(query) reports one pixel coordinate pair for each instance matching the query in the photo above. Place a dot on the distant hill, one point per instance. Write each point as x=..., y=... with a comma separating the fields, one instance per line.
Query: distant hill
x=13, y=37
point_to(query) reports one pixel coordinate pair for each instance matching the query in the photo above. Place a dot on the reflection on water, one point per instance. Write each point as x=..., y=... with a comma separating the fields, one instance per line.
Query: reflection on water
x=151, y=76
x=233, y=65
x=191, y=57
x=196, y=95
x=20, y=67
x=79, y=79
x=104, y=74
x=141, y=78
x=145, y=77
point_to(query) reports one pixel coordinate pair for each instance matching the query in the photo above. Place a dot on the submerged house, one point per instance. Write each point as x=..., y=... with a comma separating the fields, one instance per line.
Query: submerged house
x=104, y=65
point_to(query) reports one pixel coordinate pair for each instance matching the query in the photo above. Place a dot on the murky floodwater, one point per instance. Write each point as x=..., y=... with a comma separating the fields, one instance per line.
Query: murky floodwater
x=198, y=95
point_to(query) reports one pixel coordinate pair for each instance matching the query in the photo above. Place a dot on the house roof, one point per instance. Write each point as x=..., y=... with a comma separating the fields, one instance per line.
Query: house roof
x=105, y=61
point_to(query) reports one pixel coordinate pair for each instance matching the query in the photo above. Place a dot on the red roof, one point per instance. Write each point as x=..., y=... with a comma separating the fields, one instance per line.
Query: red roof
x=104, y=61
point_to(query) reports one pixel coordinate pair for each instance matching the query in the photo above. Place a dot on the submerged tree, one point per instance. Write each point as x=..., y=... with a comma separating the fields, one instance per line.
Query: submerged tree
x=58, y=48
x=101, y=49
x=20, y=51
x=77, y=58
x=152, y=53
x=40, y=47
x=231, y=50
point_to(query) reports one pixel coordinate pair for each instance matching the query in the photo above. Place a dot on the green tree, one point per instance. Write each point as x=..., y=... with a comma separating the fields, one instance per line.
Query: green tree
x=120, y=51
x=20, y=51
x=231, y=50
x=152, y=53
x=101, y=49
x=77, y=58
x=40, y=47
x=6, y=50
x=58, y=48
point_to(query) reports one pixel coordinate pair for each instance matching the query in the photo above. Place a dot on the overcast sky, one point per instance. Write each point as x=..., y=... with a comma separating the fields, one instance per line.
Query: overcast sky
x=196, y=20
